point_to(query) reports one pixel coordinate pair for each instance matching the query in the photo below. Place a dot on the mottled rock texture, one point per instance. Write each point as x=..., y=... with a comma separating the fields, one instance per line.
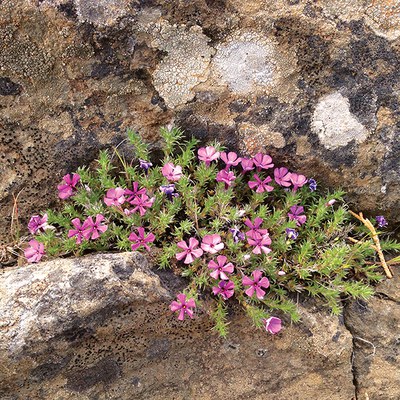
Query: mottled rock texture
x=99, y=327
x=314, y=83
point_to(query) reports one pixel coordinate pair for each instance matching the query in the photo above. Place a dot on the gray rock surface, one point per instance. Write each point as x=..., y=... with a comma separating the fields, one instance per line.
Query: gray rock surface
x=315, y=84
x=99, y=327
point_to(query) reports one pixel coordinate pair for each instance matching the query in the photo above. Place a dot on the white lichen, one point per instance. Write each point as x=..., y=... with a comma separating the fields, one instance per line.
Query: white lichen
x=334, y=124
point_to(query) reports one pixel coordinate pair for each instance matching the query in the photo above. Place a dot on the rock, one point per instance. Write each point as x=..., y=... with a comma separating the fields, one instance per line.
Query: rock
x=100, y=327
x=315, y=79
x=375, y=326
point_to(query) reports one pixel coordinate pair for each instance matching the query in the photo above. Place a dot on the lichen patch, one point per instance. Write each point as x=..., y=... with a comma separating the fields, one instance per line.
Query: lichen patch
x=185, y=65
x=334, y=124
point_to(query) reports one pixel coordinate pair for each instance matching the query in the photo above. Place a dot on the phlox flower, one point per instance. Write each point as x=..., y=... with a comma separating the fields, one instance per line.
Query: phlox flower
x=296, y=214
x=260, y=243
x=256, y=284
x=183, y=306
x=255, y=231
x=297, y=180
x=237, y=235
x=330, y=203
x=132, y=194
x=212, y=243
x=225, y=289
x=272, y=325
x=247, y=164
x=115, y=197
x=34, y=252
x=140, y=239
x=171, y=172
x=190, y=251
x=94, y=228
x=37, y=223
x=225, y=176
x=261, y=185
x=231, y=159
x=208, y=154
x=220, y=268
x=312, y=184
x=141, y=203
x=282, y=177
x=262, y=161
x=68, y=188
x=81, y=231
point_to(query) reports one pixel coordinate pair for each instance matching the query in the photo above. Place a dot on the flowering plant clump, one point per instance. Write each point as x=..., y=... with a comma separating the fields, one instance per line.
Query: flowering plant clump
x=239, y=229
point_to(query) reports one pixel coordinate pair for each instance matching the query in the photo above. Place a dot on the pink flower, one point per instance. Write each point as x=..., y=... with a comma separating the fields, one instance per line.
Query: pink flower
x=272, y=325
x=260, y=243
x=295, y=214
x=184, y=307
x=226, y=176
x=94, y=229
x=132, y=194
x=171, y=172
x=80, y=231
x=230, y=159
x=256, y=284
x=34, y=252
x=262, y=161
x=221, y=268
x=282, y=177
x=247, y=164
x=208, y=154
x=212, y=243
x=37, y=223
x=141, y=203
x=297, y=180
x=190, y=252
x=115, y=197
x=225, y=289
x=141, y=239
x=330, y=203
x=262, y=186
x=255, y=231
x=68, y=189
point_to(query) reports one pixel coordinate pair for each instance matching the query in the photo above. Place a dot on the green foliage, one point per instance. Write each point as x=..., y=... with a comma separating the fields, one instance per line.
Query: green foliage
x=321, y=262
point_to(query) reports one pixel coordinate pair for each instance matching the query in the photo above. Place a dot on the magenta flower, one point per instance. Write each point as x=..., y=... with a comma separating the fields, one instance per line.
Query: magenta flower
x=141, y=203
x=272, y=325
x=256, y=284
x=231, y=159
x=282, y=177
x=225, y=289
x=260, y=243
x=255, y=231
x=80, y=231
x=94, y=229
x=296, y=214
x=68, y=189
x=262, y=161
x=184, y=307
x=247, y=164
x=297, y=180
x=220, y=268
x=34, y=252
x=132, y=194
x=115, y=197
x=171, y=172
x=212, y=243
x=141, y=239
x=226, y=176
x=190, y=252
x=37, y=223
x=262, y=186
x=208, y=154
